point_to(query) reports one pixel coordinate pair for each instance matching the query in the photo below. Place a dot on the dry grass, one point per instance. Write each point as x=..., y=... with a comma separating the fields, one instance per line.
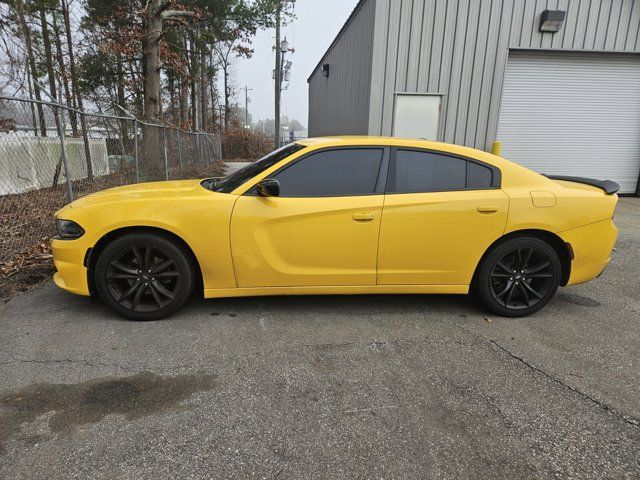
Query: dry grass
x=242, y=143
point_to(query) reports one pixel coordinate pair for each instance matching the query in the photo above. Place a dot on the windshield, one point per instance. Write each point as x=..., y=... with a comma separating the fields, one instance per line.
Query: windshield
x=229, y=183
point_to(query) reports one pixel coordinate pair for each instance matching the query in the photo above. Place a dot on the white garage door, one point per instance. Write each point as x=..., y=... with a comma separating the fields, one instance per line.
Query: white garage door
x=573, y=114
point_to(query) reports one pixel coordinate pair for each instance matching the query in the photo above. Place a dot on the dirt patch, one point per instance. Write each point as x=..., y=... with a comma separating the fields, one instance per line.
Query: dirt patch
x=71, y=406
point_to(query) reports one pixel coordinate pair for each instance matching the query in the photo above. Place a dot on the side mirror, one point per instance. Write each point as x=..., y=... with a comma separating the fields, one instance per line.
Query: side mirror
x=269, y=187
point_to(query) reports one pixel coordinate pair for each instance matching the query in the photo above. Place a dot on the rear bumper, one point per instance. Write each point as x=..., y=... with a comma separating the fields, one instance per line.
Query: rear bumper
x=592, y=245
x=68, y=258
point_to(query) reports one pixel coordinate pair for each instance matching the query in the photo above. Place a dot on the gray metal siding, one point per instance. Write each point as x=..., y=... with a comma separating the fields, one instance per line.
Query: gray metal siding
x=460, y=48
x=340, y=104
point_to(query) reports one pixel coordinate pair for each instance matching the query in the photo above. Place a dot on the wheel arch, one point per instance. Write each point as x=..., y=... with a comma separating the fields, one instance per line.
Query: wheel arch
x=560, y=246
x=94, y=252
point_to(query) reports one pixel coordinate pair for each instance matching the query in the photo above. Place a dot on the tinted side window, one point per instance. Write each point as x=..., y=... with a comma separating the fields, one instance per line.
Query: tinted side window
x=427, y=172
x=479, y=176
x=332, y=173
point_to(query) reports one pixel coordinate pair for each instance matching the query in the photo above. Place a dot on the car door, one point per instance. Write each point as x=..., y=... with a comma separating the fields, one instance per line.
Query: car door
x=440, y=215
x=322, y=230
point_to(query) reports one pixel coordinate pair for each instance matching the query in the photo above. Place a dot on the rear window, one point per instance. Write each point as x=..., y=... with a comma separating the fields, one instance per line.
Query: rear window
x=427, y=172
x=478, y=176
x=417, y=171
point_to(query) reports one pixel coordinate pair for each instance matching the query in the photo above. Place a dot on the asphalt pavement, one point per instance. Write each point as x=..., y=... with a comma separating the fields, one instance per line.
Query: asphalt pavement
x=328, y=387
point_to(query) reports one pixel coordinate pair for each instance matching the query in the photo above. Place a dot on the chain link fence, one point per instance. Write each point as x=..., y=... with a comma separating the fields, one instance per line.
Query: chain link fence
x=50, y=155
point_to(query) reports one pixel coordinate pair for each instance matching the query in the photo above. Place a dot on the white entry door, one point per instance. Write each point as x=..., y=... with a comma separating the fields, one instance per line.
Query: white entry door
x=416, y=116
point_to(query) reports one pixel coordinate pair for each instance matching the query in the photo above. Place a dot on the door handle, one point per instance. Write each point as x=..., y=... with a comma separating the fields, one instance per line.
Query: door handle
x=487, y=209
x=363, y=217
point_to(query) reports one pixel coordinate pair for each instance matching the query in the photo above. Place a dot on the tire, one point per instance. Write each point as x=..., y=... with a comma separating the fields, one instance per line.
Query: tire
x=519, y=277
x=143, y=276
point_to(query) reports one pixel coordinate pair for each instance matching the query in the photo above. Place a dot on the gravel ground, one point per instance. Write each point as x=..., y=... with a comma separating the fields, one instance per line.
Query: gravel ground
x=328, y=387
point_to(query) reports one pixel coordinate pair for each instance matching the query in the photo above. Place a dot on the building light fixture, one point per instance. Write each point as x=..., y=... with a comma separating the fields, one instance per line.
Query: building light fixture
x=325, y=70
x=551, y=20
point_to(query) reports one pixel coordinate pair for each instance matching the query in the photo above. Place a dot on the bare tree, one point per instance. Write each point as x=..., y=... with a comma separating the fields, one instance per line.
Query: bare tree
x=64, y=4
x=154, y=15
x=70, y=99
x=48, y=53
x=224, y=51
x=26, y=34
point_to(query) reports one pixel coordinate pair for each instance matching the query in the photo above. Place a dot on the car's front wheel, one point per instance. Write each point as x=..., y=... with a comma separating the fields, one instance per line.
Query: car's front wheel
x=143, y=276
x=519, y=277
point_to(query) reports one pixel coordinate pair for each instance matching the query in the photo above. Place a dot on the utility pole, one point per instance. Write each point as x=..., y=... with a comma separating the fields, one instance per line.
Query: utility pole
x=278, y=78
x=246, y=106
x=281, y=48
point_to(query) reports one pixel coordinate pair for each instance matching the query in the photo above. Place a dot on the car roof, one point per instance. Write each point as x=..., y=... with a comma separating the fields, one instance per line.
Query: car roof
x=362, y=140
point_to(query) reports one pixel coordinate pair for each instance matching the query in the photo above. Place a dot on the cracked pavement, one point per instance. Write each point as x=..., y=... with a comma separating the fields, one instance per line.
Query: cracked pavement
x=328, y=387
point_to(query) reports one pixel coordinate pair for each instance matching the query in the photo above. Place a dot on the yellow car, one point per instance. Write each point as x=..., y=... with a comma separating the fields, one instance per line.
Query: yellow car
x=346, y=215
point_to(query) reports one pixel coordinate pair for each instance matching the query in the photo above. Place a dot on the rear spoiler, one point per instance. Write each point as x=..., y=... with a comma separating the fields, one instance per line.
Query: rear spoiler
x=610, y=187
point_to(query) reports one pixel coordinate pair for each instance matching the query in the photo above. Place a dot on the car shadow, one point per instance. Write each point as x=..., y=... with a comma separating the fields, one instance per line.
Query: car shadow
x=343, y=304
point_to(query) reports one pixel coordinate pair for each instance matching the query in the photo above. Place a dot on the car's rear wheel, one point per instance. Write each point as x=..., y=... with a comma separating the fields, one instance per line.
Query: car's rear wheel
x=143, y=276
x=519, y=277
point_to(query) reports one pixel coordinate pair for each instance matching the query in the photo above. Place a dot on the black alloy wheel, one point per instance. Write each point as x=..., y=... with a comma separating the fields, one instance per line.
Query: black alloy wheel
x=519, y=277
x=143, y=276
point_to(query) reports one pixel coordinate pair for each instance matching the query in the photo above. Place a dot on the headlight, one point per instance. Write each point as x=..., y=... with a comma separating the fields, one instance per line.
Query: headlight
x=69, y=230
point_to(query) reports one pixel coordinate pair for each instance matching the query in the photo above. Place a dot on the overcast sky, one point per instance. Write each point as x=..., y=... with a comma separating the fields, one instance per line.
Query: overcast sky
x=316, y=25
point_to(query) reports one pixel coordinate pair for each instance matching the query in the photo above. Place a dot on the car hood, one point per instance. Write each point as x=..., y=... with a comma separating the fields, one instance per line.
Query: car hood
x=152, y=191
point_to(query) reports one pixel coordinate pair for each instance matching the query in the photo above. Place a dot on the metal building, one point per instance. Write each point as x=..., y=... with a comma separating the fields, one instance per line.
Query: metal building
x=556, y=81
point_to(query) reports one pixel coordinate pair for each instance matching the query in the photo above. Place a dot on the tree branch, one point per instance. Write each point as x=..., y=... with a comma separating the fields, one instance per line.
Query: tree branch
x=171, y=14
x=162, y=7
x=145, y=10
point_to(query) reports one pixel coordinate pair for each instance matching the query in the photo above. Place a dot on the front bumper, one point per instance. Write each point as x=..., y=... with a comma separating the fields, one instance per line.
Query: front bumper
x=592, y=245
x=68, y=258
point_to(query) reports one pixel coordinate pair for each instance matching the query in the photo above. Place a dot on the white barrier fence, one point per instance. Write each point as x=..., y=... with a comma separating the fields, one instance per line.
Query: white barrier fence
x=28, y=163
